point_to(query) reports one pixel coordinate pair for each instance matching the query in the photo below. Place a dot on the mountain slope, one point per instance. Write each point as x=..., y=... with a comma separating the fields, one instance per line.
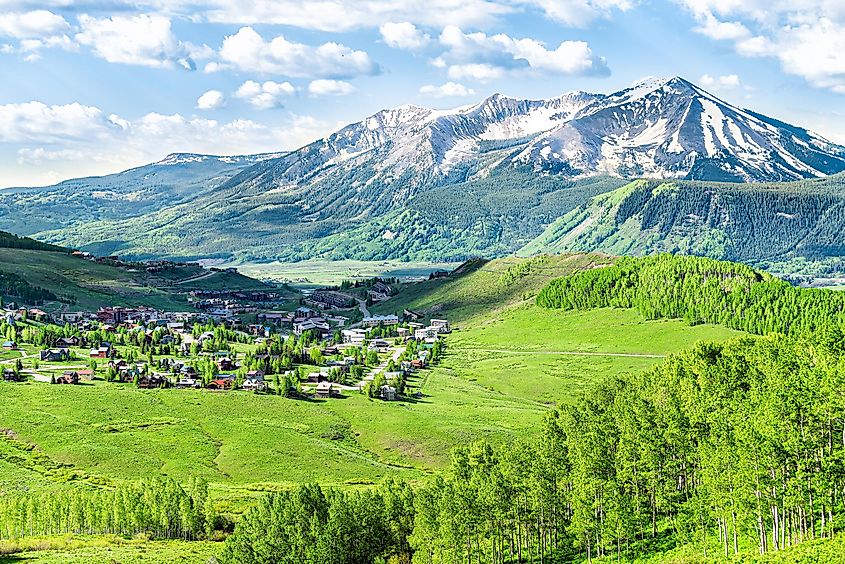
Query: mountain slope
x=754, y=223
x=484, y=179
x=176, y=178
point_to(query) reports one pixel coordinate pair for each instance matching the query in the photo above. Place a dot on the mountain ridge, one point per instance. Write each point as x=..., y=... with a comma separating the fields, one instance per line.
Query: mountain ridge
x=414, y=182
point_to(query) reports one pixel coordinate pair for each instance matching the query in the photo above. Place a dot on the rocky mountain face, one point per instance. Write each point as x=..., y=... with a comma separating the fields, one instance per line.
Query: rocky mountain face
x=419, y=183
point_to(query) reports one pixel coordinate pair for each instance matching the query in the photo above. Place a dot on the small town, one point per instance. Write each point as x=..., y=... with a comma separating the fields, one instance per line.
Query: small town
x=329, y=345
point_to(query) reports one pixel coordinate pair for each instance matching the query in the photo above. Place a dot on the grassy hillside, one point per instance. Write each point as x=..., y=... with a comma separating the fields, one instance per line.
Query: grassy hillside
x=80, y=284
x=479, y=288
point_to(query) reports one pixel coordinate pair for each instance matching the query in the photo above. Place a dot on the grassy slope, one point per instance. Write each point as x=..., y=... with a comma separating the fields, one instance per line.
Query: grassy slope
x=246, y=444
x=95, y=285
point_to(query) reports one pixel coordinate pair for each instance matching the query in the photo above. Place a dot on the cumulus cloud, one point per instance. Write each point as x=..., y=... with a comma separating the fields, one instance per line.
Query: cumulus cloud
x=144, y=39
x=265, y=95
x=36, y=121
x=211, y=100
x=447, y=90
x=37, y=23
x=484, y=57
x=346, y=15
x=806, y=37
x=33, y=31
x=329, y=87
x=403, y=35
x=76, y=139
x=248, y=51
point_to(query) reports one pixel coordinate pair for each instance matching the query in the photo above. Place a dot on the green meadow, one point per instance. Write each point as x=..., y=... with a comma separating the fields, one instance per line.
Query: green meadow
x=507, y=363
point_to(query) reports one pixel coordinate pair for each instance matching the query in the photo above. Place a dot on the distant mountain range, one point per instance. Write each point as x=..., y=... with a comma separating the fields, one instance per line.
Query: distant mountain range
x=486, y=179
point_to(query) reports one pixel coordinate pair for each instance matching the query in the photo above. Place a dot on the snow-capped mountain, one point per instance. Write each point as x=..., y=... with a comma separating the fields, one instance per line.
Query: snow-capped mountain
x=663, y=128
x=420, y=183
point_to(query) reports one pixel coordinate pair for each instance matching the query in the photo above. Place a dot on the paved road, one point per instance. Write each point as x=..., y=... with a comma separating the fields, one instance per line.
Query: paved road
x=570, y=353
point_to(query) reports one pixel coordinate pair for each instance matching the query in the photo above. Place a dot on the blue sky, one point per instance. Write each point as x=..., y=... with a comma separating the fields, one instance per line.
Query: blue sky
x=96, y=87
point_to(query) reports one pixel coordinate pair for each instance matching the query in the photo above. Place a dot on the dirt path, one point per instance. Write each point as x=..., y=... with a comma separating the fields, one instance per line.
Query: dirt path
x=569, y=353
x=196, y=278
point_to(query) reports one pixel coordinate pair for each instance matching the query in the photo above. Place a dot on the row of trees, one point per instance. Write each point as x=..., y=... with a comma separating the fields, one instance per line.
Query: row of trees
x=157, y=506
x=699, y=290
x=310, y=525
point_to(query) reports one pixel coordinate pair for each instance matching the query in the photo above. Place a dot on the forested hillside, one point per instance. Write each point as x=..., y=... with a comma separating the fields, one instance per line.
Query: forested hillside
x=699, y=290
x=770, y=225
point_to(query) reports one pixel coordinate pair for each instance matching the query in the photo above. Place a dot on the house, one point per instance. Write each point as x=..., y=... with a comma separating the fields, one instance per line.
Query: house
x=387, y=393
x=425, y=333
x=186, y=382
x=403, y=332
x=88, y=374
x=68, y=378
x=313, y=324
x=326, y=389
x=409, y=315
x=255, y=384
x=225, y=363
x=67, y=342
x=379, y=344
x=441, y=324
x=10, y=375
x=10, y=345
x=317, y=377
x=221, y=384
x=376, y=320
x=354, y=336
x=256, y=375
x=54, y=355
x=103, y=351
x=417, y=364
x=331, y=299
x=151, y=381
x=305, y=313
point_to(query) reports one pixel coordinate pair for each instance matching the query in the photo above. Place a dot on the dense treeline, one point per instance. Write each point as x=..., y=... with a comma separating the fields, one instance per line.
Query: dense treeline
x=724, y=447
x=313, y=526
x=11, y=241
x=156, y=506
x=699, y=290
x=15, y=287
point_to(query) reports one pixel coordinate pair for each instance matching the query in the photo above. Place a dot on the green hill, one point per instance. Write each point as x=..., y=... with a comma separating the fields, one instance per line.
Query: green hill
x=59, y=281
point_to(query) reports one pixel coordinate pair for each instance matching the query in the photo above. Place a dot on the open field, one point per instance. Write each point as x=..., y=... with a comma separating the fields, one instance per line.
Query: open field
x=245, y=441
x=74, y=549
x=322, y=272
x=94, y=285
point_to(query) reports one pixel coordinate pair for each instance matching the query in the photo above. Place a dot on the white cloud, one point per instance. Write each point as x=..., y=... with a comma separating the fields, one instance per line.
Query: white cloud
x=211, y=100
x=483, y=57
x=579, y=13
x=807, y=37
x=144, y=39
x=248, y=51
x=40, y=155
x=328, y=87
x=76, y=139
x=36, y=121
x=727, y=81
x=346, y=15
x=265, y=95
x=37, y=23
x=34, y=30
x=447, y=90
x=403, y=35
